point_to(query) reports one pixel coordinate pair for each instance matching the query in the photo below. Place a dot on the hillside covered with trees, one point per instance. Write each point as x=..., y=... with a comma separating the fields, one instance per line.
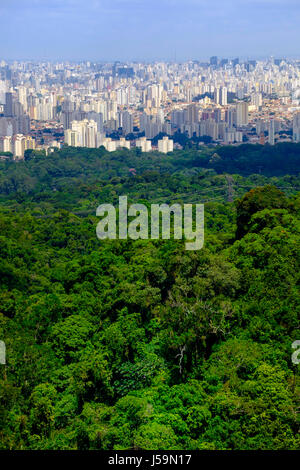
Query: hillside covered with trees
x=126, y=344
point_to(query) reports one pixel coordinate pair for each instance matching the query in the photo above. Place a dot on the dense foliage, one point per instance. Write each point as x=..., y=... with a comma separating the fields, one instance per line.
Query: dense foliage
x=142, y=344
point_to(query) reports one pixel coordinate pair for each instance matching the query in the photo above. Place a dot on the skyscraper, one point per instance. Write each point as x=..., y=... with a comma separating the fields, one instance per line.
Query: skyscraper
x=217, y=95
x=126, y=122
x=223, y=96
x=272, y=132
x=2, y=91
x=8, y=108
x=242, y=115
x=296, y=127
x=22, y=96
x=220, y=96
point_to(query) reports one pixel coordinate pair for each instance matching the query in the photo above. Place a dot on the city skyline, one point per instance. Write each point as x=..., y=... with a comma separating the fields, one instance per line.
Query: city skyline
x=127, y=30
x=158, y=106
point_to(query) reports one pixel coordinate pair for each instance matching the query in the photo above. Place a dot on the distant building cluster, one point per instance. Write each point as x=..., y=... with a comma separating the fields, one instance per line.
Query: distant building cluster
x=17, y=144
x=149, y=106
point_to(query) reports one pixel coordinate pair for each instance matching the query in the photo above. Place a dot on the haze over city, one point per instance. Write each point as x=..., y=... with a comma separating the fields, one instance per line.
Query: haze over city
x=147, y=30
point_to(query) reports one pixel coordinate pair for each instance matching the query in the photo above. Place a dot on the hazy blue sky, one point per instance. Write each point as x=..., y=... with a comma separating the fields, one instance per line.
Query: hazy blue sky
x=148, y=29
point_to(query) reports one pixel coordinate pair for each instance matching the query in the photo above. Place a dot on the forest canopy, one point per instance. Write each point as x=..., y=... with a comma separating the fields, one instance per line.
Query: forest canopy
x=124, y=344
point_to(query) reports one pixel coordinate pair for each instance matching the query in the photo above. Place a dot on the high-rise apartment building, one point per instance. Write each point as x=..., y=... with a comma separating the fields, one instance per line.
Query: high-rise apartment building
x=126, y=122
x=2, y=91
x=242, y=114
x=6, y=144
x=8, y=108
x=22, y=97
x=165, y=145
x=123, y=143
x=82, y=134
x=144, y=144
x=19, y=146
x=109, y=144
x=272, y=132
x=296, y=127
x=220, y=96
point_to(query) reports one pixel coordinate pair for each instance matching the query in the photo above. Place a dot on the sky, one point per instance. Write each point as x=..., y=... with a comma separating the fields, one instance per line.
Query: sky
x=108, y=30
